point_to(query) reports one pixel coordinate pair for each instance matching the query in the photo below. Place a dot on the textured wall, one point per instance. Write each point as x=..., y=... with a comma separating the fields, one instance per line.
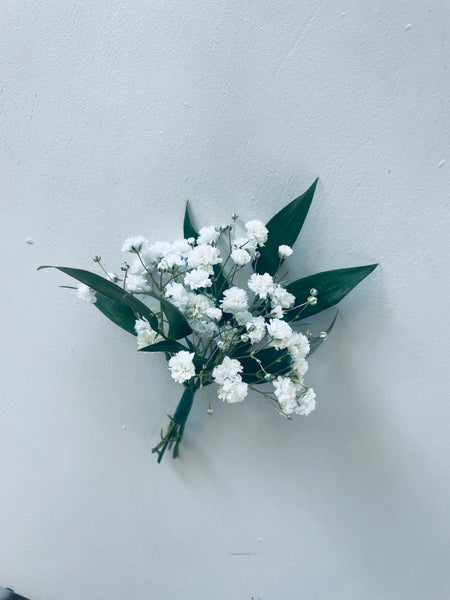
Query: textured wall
x=113, y=113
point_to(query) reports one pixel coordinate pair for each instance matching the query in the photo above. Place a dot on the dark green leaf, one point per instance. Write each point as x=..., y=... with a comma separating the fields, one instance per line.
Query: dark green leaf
x=164, y=346
x=188, y=228
x=284, y=228
x=178, y=326
x=110, y=290
x=274, y=362
x=118, y=313
x=315, y=342
x=332, y=286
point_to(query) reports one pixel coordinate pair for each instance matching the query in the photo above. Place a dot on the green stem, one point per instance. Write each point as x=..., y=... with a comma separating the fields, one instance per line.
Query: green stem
x=174, y=433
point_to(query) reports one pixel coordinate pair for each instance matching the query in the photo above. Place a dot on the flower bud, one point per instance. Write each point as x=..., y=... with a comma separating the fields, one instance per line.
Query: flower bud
x=210, y=411
x=323, y=335
x=97, y=258
x=124, y=266
x=312, y=300
x=235, y=216
x=313, y=292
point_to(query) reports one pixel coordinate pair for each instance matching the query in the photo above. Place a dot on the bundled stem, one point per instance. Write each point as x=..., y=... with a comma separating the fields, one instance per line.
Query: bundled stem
x=174, y=433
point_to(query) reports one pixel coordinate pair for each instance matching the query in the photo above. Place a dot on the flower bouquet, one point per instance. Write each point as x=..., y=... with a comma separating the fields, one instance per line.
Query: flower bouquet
x=217, y=304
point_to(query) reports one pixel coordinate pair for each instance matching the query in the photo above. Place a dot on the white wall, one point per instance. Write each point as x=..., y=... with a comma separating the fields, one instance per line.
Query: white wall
x=113, y=113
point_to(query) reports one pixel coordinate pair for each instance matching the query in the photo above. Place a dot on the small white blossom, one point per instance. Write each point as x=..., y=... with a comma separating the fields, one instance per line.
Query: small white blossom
x=86, y=293
x=228, y=369
x=243, y=317
x=284, y=251
x=137, y=284
x=134, y=244
x=197, y=279
x=197, y=305
x=300, y=365
x=233, y=390
x=177, y=294
x=208, y=235
x=285, y=391
x=234, y=300
x=181, y=366
x=146, y=336
x=155, y=252
x=244, y=243
x=203, y=328
x=307, y=403
x=281, y=297
x=277, y=312
x=257, y=231
x=214, y=313
x=262, y=285
x=181, y=247
x=256, y=329
x=299, y=345
x=204, y=257
x=240, y=256
x=280, y=332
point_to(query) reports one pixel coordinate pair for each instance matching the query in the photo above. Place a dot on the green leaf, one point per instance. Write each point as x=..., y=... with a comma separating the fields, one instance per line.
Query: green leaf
x=110, y=290
x=178, y=326
x=332, y=286
x=284, y=228
x=273, y=361
x=316, y=342
x=164, y=346
x=118, y=313
x=188, y=228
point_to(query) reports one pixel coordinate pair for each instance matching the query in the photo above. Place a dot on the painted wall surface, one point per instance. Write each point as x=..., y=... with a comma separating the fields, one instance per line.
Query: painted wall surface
x=114, y=113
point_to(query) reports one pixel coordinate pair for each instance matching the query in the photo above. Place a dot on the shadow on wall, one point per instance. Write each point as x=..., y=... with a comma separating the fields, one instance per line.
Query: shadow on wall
x=8, y=594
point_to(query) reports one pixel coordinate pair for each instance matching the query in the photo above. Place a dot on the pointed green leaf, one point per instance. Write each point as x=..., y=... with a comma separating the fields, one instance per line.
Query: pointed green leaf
x=316, y=342
x=110, y=290
x=284, y=228
x=118, y=313
x=332, y=286
x=178, y=326
x=273, y=361
x=164, y=346
x=188, y=228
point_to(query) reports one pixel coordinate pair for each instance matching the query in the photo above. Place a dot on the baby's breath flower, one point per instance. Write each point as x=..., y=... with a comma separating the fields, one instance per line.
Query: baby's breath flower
x=228, y=369
x=280, y=332
x=197, y=279
x=208, y=235
x=86, y=293
x=257, y=231
x=307, y=403
x=234, y=300
x=146, y=336
x=240, y=256
x=284, y=251
x=134, y=244
x=233, y=390
x=181, y=366
x=262, y=285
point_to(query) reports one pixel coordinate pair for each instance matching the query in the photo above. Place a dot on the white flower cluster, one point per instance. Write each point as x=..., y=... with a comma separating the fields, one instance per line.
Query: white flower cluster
x=197, y=277
x=228, y=376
